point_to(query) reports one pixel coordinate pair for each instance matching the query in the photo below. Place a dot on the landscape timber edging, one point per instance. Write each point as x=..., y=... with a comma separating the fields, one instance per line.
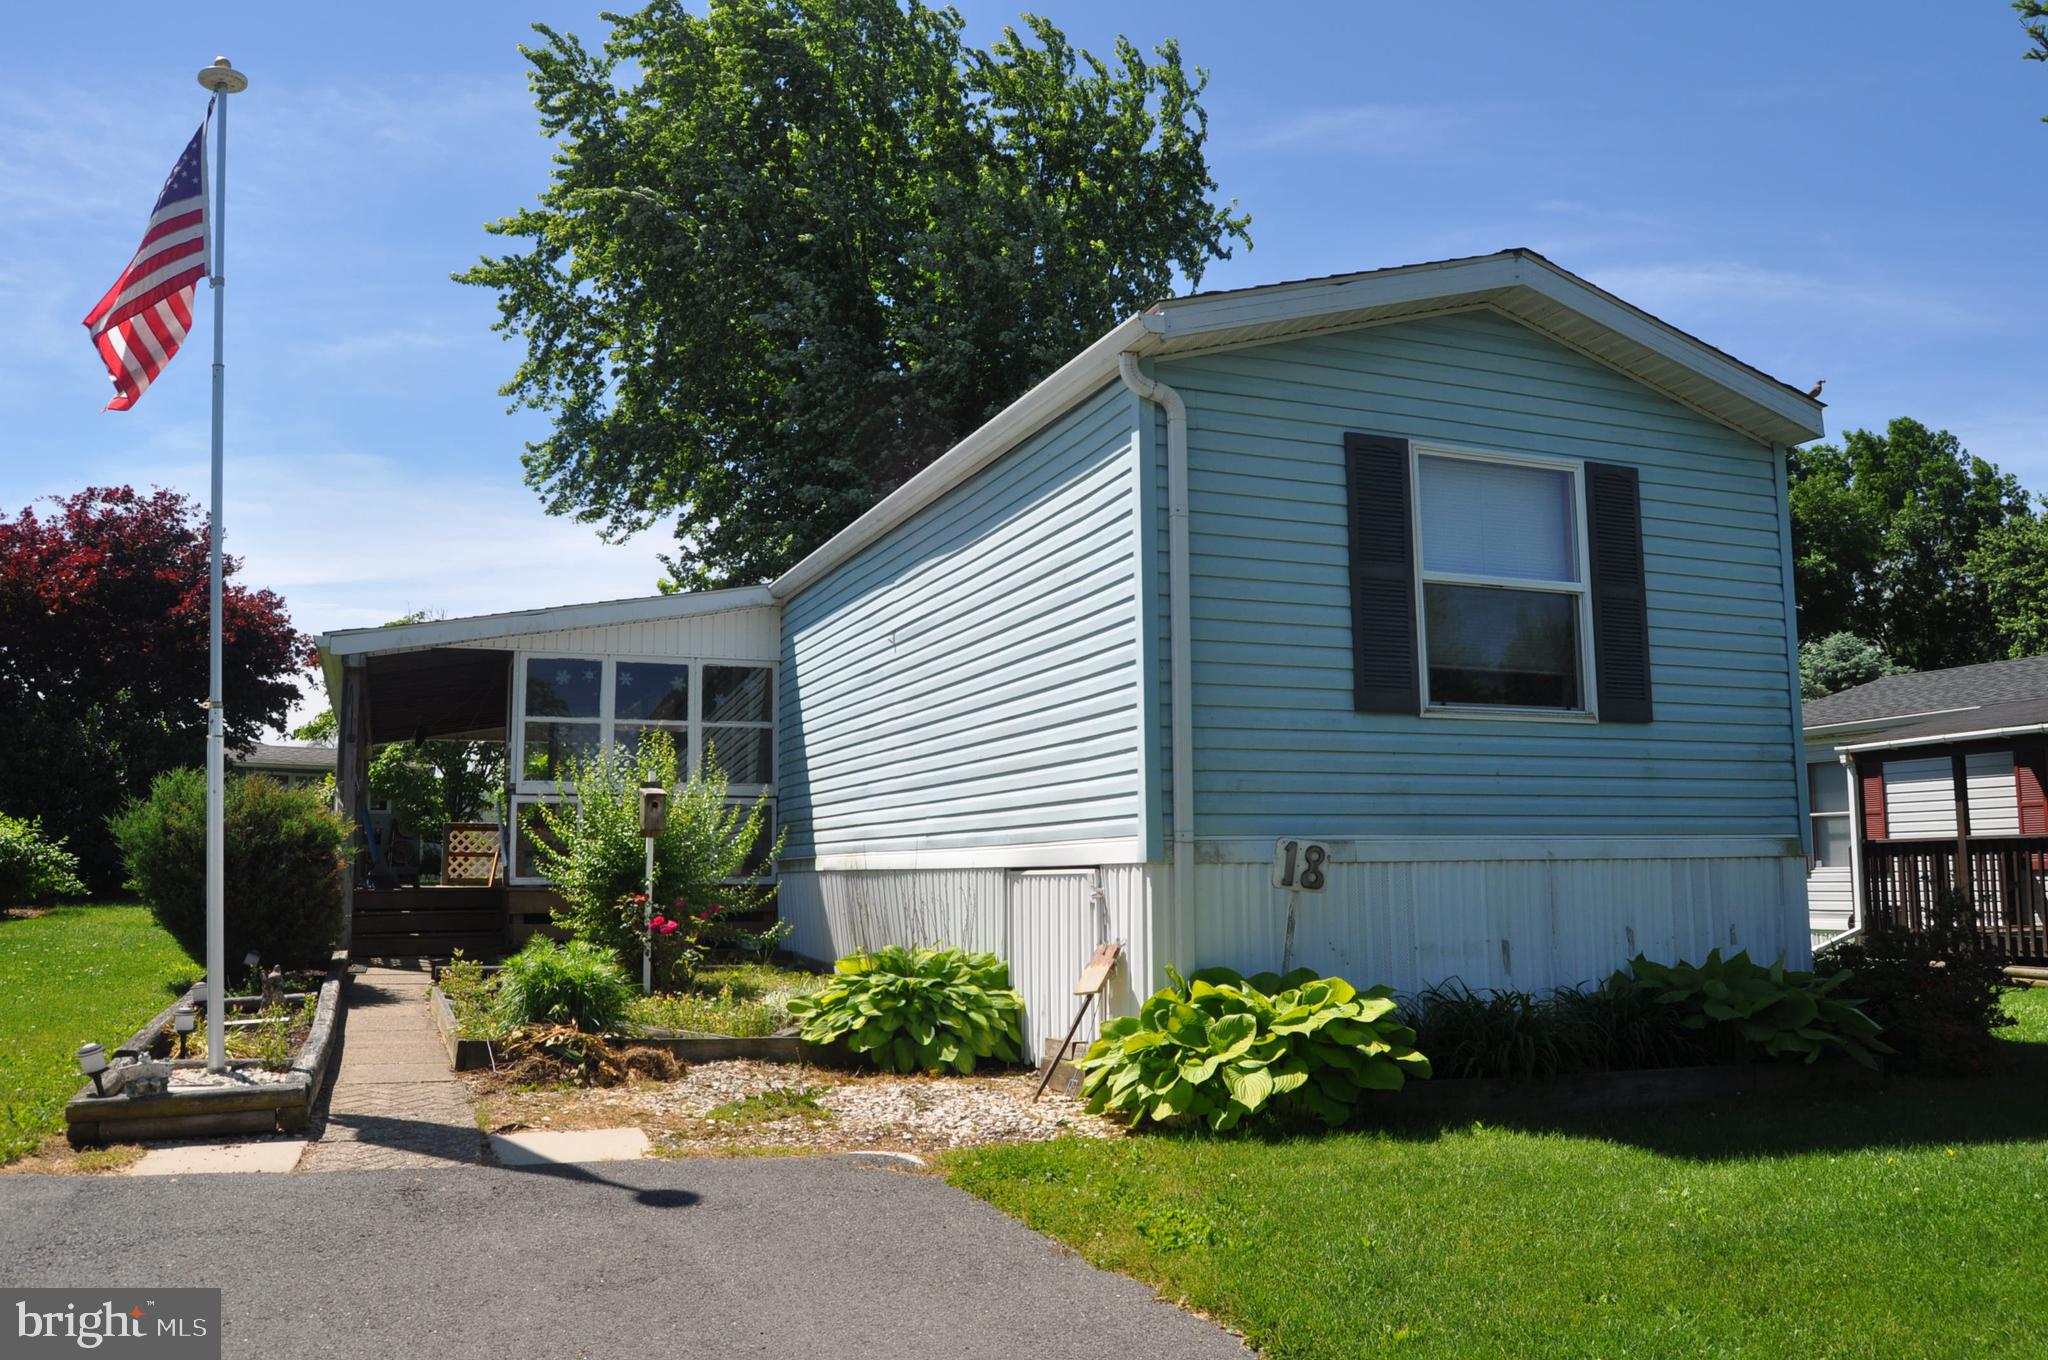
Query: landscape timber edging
x=1460, y=1099
x=191, y=1111
x=475, y=1055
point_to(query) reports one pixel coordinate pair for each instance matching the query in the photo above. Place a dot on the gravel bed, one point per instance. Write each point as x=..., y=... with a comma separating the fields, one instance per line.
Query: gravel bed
x=860, y=1111
x=233, y=1076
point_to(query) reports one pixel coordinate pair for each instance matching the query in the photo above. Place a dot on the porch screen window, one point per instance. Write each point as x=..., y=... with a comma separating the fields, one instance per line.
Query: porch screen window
x=739, y=725
x=564, y=714
x=1503, y=584
x=1828, y=787
x=652, y=696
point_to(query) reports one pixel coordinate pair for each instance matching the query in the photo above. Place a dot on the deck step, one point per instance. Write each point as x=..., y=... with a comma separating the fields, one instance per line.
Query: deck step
x=438, y=921
x=429, y=945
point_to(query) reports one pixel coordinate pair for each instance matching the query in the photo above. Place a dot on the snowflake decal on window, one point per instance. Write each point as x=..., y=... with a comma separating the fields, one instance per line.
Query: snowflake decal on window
x=625, y=679
x=562, y=677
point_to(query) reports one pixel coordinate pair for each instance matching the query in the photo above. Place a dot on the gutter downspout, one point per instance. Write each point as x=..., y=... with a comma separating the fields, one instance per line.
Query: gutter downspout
x=1180, y=667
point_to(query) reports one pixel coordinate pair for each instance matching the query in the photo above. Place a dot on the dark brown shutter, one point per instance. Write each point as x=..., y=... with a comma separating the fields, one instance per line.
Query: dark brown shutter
x=2030, y=774
x=1383, y=666
x=1870, y=773
x=1621, y=613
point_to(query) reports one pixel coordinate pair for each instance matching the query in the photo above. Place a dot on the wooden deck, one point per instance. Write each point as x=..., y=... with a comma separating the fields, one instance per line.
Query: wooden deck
x=429, y=922
x=2006, y=882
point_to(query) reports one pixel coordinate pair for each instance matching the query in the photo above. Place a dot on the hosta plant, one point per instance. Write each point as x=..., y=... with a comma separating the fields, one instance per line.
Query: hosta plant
x=1218, y=1049
x=917, y=1009
x=1780, y=1011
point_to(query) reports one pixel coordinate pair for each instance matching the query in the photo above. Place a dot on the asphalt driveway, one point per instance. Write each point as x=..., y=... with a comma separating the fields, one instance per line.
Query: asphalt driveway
x=773, y=1257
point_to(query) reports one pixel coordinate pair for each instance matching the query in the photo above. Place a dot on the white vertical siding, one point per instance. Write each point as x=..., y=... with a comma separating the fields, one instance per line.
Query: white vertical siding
x=1043, y=924
x=1920, y=798
x=750, y=634
x=1524, y=924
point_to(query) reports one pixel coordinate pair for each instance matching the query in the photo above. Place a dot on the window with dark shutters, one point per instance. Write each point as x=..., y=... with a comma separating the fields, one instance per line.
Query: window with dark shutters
x=1384, y=678
x=1621, y=616
x=1870, y=777
x=2030, y=777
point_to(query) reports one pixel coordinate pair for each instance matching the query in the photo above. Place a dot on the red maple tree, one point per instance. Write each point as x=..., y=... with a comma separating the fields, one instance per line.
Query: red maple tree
x=103, y=657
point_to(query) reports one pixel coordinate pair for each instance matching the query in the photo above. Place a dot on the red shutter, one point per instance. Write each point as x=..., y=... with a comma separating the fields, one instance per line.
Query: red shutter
x=2030, y=773
x=1872, y=775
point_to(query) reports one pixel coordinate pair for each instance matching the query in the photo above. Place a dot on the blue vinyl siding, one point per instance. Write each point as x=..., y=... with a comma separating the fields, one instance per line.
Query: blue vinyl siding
x=973, y=678
x=1278, y=748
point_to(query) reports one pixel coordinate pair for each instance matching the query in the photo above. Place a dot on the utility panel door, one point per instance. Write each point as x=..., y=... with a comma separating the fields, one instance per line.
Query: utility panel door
x=1057, y=918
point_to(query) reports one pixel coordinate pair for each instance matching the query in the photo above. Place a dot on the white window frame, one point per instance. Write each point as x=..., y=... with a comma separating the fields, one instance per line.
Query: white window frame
x=524, y=791
x=1589, y=703
x=1818, y=772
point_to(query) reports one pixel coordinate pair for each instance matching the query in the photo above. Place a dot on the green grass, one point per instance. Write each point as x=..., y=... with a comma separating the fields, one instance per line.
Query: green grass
x=1911, y=1221
x=73, y=974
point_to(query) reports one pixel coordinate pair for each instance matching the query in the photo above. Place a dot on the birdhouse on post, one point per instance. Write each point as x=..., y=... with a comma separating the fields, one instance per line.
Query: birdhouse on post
x=653, y=810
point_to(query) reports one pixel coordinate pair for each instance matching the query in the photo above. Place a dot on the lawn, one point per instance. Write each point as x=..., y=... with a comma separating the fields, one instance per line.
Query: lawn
x=1911, y=1221
x=69, y=975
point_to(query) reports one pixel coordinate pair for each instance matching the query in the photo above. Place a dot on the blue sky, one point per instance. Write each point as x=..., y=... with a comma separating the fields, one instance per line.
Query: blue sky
x=1848, y=191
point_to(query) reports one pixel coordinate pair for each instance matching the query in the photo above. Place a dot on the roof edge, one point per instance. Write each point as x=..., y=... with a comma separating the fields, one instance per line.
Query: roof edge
x=1153, y=331
x=482, y=627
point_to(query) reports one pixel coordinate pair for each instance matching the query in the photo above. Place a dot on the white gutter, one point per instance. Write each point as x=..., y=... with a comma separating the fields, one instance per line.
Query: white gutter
x=1945, y=738
x=1180, y=659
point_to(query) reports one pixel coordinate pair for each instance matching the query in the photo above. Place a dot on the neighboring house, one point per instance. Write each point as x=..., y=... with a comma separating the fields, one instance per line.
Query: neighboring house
x=294, y=765
x=1922, y=784
x=1419, y=623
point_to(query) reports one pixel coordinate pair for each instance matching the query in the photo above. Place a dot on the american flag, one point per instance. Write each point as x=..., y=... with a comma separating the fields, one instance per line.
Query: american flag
x=142, y=320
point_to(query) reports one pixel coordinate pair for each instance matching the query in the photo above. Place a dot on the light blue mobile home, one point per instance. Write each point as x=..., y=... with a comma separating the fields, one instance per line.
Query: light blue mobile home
x=1419, y=623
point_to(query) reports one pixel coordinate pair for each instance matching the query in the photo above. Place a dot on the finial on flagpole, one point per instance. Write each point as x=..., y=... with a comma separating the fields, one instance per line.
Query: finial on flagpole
x=222, y=78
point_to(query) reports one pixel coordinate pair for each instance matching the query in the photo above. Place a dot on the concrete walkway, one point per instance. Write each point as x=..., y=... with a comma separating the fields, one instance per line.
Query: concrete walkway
x=394, y=1104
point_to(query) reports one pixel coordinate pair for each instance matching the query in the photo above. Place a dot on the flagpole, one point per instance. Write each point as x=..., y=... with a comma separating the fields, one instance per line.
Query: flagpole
x=224, y=80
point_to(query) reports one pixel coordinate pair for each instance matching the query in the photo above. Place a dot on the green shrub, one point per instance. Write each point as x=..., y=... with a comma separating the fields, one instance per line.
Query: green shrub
x=283, y=860
x=1218, y=1049
x=473, y=997
x=591, y=846
x=34, y=867
x=1618, y=1027
x=1935, y=990
x=1491, y=1034
x=577, y=984
x=1736, y=1001
x=1621, y=1027
x=926, y=1009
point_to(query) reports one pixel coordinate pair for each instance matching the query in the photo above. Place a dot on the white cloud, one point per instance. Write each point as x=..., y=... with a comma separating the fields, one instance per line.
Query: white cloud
x=354, y=539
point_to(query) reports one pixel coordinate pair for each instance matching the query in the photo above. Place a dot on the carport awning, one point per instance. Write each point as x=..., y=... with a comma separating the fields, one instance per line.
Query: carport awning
x=439, y=692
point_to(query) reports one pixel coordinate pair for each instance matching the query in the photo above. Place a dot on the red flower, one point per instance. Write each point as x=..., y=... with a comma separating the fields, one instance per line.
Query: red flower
x=667, y=927
x=657, y=921
x=638, y=898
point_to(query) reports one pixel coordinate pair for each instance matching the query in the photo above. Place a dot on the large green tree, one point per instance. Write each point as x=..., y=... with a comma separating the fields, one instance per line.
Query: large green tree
x=1887, y=531
x=2034, y=19
x=791, y=250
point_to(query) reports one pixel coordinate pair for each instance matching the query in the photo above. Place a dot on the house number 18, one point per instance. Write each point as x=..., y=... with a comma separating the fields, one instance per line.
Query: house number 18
x=1300, y=864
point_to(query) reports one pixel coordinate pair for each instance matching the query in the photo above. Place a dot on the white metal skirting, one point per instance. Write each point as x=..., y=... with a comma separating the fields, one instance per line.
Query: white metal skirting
x=1525, y=924
x=1043, y=923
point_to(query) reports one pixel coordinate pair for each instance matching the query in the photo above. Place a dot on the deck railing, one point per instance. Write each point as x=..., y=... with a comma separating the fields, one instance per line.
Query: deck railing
x=2007, y=885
